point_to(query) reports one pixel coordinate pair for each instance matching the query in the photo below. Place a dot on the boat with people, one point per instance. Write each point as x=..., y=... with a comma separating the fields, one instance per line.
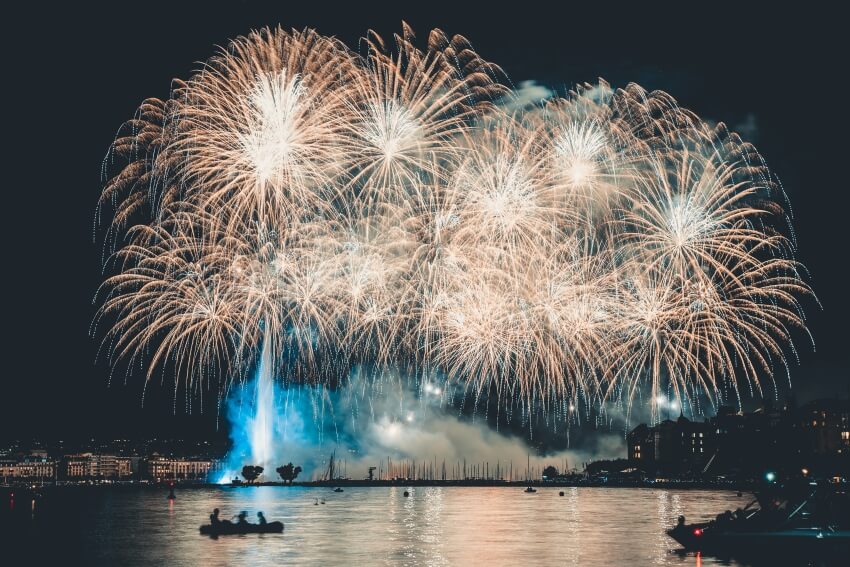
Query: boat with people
x=230, y=528
x=530, y=490
x=797, y=517
x=218, y=527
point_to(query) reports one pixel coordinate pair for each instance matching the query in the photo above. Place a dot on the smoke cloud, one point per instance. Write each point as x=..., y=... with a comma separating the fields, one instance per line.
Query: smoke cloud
x=527, y=94
x=374, y=418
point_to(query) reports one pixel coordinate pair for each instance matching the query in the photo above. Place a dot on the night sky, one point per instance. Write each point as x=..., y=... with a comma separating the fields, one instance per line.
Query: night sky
x=73, y=75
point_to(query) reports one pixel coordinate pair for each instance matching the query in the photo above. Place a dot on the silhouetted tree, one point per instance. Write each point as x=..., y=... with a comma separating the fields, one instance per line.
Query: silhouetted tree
x=613, y=465
x=288, y=472
x=250, y=472
x=550, y=472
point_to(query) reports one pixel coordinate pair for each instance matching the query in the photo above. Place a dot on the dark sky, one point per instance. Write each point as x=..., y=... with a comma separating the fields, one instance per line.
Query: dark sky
x=72, y=75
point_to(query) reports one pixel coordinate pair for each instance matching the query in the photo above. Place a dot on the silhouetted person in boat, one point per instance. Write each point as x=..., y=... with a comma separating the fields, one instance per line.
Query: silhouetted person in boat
x=242, y=518
x=725, y=517
x=261, y=519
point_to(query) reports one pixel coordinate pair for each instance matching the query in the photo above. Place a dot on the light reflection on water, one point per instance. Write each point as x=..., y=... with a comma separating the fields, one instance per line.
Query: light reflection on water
x=368, y=526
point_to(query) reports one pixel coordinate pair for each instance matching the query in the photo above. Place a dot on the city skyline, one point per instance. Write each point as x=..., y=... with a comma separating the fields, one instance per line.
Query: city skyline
x=731, y=447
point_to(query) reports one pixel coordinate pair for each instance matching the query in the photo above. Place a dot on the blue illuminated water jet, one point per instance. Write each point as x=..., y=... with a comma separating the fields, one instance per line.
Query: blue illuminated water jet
x=262, y=425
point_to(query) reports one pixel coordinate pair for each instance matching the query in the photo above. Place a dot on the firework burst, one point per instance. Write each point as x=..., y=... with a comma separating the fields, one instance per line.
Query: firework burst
x=317, y=208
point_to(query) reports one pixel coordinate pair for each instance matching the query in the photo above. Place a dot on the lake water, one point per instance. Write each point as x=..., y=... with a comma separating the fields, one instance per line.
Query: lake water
x=361, y=526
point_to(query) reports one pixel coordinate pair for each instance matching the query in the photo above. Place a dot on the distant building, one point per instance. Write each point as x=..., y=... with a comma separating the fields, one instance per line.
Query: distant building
x=824, y=426
x=127, y=467
x=641, y=443
x=30, y=468
x=92, y=466
x=749, y=443
x=737, y=444
x=681, y=446
x=80, y=466
x=164, y=468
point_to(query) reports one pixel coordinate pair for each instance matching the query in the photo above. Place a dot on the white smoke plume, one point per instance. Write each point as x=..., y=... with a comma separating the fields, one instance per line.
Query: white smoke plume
x=371, y=421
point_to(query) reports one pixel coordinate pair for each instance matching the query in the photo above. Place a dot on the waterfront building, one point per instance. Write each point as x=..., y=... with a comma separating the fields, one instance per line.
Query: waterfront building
x=161, y=468
x=127, y=467
x=641, y=444
x=92, y=466
x=736, y=444
x=676, y=447
x=29, y=468
x=824, y=426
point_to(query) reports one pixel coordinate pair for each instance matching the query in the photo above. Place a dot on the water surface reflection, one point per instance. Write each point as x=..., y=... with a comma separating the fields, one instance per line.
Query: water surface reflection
x=367, y=526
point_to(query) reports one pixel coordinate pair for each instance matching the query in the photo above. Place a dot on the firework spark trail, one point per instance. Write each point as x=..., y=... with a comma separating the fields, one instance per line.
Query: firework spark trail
x=317, y=209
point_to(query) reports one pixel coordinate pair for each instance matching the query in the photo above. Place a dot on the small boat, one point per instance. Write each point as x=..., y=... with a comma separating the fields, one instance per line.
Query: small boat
x=338, y=489
x=229, y=528
x=781, y=525
x=530, y=489
x=716, y=540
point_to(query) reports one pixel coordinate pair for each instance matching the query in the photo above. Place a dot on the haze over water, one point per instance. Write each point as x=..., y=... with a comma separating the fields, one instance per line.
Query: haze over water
x=365, y=526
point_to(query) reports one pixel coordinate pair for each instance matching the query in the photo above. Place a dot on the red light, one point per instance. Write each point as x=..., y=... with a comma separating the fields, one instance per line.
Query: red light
x=697, y=532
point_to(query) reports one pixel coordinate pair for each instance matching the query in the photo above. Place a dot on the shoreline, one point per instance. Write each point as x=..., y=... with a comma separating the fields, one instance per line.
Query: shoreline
x=341, y=483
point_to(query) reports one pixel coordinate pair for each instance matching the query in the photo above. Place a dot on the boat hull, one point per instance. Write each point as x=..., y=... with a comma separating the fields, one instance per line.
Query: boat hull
x=236, y=529
x=808, y=541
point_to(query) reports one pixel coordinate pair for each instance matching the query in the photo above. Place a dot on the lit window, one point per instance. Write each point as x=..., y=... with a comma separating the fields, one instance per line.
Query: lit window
x=700, y=434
